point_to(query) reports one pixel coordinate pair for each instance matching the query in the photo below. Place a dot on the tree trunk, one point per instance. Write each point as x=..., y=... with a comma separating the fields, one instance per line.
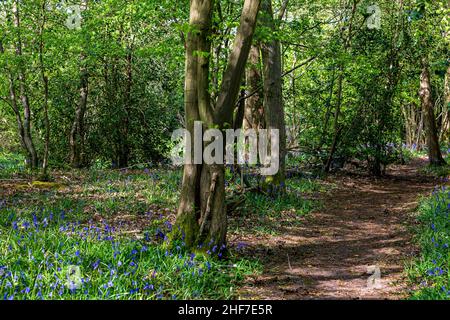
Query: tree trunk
x=273, y=96
x=434, y=151
x=254, y=107
x=446, y=111
x=15, y=108
x=77, y=133
x=27, y=138
x=347, y=45
x=337, y=128
x=201, y=218
x=45, y=102
x=124, y=143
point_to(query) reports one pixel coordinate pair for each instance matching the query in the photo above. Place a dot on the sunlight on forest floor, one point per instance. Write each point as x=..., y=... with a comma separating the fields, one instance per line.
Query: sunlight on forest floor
x=70, y=221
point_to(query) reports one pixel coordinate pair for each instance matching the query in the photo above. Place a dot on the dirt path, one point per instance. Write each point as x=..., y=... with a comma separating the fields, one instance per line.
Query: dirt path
x=364, y=223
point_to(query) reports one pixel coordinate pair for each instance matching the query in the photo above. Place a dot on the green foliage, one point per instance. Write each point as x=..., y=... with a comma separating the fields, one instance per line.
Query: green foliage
x=134, y=60
x=11, y=164
x=380, y=78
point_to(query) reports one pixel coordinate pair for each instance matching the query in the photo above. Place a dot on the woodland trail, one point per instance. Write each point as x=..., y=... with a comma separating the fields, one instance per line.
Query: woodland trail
x=364, y=222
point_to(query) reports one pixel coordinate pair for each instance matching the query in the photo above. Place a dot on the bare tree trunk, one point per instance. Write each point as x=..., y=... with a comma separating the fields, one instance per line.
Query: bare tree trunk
x=347, y=46
x=77, y=133
x=45, y=103
x=328, y=113
x=124, y=143
x=15, y=108
x=76, y=139
x=434, y=151
x=188, y=210
x=254, y=107
x=446, y=121
x=337, y=128
x=201, y=218
x=27, y=138
x=273, y=96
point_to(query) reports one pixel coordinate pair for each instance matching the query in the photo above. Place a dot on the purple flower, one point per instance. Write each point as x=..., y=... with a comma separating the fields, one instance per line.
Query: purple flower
x=133, y=291
x=149, y=287
x=96, y=264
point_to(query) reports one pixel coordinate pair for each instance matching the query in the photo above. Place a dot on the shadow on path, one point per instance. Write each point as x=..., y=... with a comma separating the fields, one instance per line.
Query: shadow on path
x=365, y=222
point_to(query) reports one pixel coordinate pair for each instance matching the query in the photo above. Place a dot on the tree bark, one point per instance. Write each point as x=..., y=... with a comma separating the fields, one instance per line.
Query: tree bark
x=45, y=102
x=446, y=121
x=337, y=128
x=27, y=137
x=254, y=107
x=77, y=133
x=15, y=108
x=124, y=143
x=273, y=95
x=201, y=218
x=76, y=139
x=434, y=151
x=236, y=64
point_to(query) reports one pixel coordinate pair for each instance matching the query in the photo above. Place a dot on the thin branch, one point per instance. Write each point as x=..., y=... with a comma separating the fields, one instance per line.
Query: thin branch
x=282, y=76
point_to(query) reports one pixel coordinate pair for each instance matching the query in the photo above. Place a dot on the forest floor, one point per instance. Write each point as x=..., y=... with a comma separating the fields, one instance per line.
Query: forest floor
x=364, y=222
x=315, y=242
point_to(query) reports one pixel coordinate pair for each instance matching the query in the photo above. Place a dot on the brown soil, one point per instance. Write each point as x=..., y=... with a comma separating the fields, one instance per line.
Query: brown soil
x=365, y=222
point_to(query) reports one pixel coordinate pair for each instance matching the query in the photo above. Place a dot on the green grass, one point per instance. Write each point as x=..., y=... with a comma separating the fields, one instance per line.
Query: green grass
x=49, y=230
x=430, y=272
x=10, y=164
x=267, y=215
x=40, y=250
x=438, y=171
x=47, y=233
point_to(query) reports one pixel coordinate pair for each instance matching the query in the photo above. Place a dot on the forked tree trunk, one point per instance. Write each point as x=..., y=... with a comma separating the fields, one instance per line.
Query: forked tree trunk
x=201, y=218
x=434, y=151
